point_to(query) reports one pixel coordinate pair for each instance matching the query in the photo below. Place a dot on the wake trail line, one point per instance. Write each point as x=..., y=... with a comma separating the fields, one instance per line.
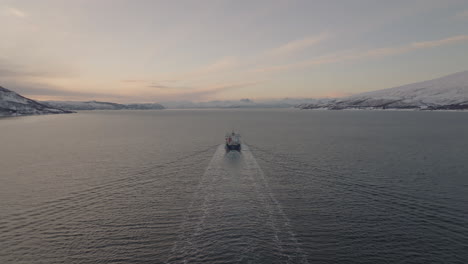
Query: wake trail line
x=233, y=216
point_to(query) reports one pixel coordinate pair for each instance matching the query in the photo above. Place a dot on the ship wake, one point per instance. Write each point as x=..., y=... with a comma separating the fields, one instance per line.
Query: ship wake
x=234, y=217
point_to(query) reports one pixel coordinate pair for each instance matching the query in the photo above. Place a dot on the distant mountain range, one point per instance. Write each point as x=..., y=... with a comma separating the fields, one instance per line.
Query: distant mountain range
x=13, y=104
x=96, y=105
x=243, y=103
x=446, y=93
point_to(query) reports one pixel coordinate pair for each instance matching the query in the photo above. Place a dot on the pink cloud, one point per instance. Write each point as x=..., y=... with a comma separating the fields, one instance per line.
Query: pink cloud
x=298, y=45
x=15, y=12
x=222, y=64
x=440, y=42
x=372, y=53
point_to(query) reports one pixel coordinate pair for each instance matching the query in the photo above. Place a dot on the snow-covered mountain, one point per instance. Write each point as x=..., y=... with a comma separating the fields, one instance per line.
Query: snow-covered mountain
x=96, y=105
x=12, y=104
x=448, y=92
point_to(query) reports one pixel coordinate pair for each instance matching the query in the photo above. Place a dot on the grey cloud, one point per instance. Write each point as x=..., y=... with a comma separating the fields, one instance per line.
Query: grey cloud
x=133, y=81
x=159, y=86
x=12, y=70
x=39, y=89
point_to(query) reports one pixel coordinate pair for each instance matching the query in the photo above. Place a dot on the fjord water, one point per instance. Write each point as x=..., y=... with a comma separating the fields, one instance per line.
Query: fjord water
x=308, y=187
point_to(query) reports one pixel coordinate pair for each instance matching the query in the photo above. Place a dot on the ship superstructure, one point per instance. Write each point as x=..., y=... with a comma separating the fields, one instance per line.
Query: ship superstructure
x=233, y=141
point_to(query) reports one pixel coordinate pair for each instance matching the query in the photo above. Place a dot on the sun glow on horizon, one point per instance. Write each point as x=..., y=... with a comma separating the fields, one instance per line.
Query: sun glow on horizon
x=156, y=51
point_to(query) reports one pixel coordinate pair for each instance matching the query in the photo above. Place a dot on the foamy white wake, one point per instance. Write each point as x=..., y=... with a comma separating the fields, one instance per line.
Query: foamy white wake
x=234, y=217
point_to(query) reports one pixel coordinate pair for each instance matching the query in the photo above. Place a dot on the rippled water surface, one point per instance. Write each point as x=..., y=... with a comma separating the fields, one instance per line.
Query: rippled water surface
x=308, y=187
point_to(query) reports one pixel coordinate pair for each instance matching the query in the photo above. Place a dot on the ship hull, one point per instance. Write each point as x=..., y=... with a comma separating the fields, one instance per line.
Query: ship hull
x=236, y=147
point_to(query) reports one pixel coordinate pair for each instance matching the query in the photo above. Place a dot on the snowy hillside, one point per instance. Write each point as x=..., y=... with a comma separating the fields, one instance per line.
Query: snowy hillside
x=12, y=104
x=448, y=92
x=95, y=105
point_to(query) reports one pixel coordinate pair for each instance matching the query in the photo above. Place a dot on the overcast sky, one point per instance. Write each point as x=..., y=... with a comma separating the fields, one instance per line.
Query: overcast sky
x=145, y=51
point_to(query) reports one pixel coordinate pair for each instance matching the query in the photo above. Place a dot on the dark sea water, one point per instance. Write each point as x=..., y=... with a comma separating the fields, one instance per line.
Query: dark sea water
x=308, y=187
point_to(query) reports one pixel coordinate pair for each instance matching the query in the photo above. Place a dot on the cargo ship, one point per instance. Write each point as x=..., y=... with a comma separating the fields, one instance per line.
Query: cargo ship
x=233, y=142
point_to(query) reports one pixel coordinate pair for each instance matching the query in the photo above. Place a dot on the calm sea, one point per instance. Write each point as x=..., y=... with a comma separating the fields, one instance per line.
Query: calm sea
x=308, y=187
